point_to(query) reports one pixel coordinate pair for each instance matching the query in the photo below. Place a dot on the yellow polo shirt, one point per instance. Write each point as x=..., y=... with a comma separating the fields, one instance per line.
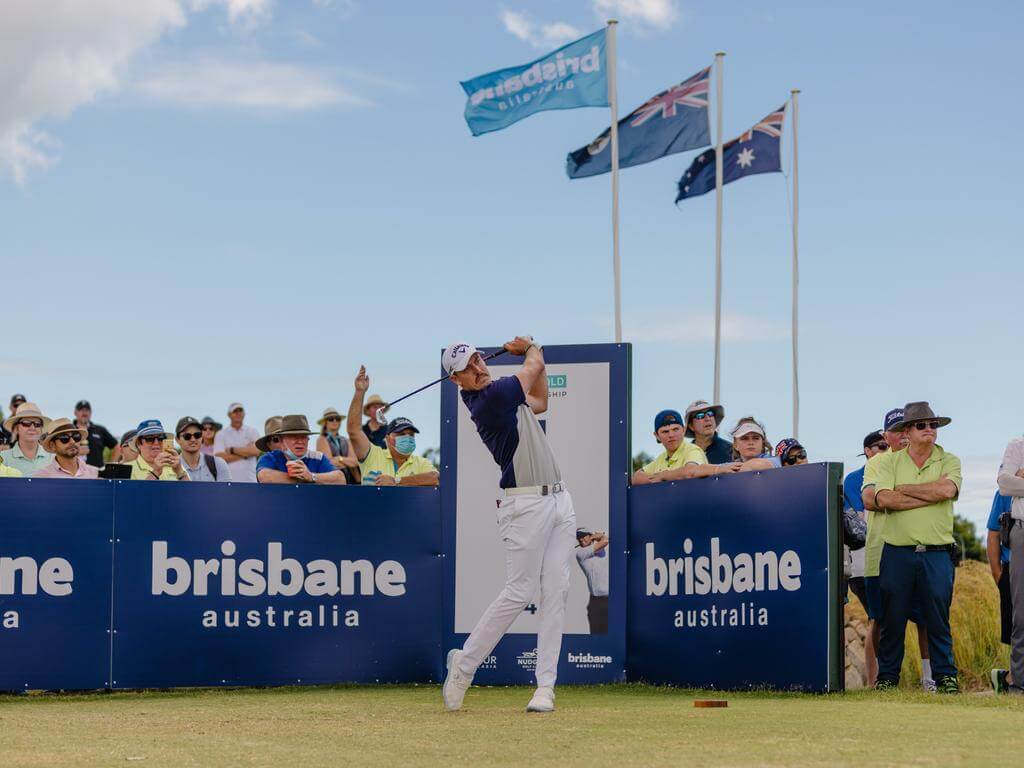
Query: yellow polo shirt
x=378, y=462
x=6, y=471
x=876, y=522
x=687, y=453
x=141, y=469
x=932, y=524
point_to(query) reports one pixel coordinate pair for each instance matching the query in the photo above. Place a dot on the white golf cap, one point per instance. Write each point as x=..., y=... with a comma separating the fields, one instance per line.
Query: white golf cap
x=456, y=357
x=746, y=427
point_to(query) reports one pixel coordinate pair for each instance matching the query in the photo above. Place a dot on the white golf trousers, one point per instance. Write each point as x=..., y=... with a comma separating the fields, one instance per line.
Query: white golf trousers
x=539, y=533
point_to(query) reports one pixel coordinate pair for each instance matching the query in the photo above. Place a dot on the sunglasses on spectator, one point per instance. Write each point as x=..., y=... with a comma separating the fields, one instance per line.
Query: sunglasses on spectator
x=703, y=414
x=925, y=425
x=793, y=458
x=333, y=418
x=208, y=427
x=31, y=424
x=883, y=446
x=191, y=435
x=65, y=439
x=151, y=439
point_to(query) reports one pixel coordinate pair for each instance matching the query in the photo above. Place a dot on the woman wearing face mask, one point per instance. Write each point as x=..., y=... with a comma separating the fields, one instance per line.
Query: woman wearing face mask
x=26, y=427
x=750, y=446
x=397, y=464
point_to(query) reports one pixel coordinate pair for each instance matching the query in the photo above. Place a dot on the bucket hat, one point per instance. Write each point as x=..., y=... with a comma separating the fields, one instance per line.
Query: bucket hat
x=270, y=429
x=702, y=405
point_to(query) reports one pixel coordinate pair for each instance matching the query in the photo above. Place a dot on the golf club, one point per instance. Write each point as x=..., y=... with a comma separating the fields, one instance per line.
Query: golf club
x=382, y=418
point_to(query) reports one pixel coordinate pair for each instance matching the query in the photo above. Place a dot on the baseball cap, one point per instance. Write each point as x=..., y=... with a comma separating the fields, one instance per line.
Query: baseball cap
x=785, y=446
x=892, y=418
x=186, y=421
x=82, y=404
x=746, y=427
x=581, y=532
x=872, y=438
x=18, y=398
x=666, y=417
x=235, y=407
x=456, y=357
x=397, y=425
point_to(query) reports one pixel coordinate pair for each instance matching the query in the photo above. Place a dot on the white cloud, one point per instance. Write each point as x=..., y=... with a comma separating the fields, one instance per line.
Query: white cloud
x=208, y=82
x=550, y=35
x=245, y=14
x=698, y=328
x=659, y=14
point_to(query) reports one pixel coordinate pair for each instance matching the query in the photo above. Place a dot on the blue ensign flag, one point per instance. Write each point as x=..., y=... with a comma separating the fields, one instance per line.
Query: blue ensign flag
x=756, y=151
x=673, y=121
x=576, y=75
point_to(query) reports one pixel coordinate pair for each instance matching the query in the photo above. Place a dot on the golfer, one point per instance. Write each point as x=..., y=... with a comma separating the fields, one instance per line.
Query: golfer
x=536, y=521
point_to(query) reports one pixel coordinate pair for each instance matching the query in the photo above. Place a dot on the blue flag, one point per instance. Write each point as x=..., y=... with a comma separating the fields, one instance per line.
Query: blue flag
x=673, y=121
x=756, y=151
x=573, y=76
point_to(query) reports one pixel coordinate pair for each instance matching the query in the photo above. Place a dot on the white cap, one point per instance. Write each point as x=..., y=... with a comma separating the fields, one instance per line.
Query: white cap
x=234, y=407
x=456, y=357
x=746, y=427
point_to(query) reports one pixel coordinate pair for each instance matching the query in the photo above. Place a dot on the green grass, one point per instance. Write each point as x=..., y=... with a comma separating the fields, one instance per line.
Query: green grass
x=621, y=725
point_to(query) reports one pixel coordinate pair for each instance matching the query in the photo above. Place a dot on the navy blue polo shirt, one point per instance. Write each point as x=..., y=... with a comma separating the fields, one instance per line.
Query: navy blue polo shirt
x=511, y=432
x=720, y=451
x=1000, y=504
x=277, y=460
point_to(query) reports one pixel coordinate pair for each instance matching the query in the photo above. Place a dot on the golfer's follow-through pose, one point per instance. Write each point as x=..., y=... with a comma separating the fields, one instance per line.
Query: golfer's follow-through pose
x=536, y=521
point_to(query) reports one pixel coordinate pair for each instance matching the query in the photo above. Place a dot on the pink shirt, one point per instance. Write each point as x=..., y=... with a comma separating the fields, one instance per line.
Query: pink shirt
x=56, y=471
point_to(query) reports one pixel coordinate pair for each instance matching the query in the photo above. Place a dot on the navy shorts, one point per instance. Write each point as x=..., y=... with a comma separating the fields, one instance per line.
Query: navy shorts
x=873, y=593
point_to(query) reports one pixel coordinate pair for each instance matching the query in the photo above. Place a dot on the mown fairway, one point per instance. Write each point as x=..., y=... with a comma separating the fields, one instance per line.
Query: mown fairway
x=613, y=725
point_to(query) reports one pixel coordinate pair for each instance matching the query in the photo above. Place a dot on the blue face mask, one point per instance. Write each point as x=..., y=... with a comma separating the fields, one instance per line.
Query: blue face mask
x=405, y=444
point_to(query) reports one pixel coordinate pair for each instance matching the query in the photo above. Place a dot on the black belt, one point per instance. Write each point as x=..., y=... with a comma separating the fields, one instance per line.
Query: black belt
x=923, y=547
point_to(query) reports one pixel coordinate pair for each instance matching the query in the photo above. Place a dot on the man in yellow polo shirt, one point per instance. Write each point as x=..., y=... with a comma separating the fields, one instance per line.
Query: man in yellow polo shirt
x=397, y=464
x=680, y=460
x=915, y=488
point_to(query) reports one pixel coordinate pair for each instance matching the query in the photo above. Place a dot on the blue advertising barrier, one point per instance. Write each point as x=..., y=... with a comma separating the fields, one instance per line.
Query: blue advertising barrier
x=55, y=555
x=274, y=585
x=734, y=581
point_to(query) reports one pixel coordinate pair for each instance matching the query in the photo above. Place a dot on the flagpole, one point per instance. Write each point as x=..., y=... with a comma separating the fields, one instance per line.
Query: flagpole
x=614, y=106
x=719, y=57
x=796, y=274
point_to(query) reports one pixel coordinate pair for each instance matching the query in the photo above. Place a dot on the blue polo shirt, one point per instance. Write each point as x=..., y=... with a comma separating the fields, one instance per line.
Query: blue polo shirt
x=851, y=490
x=277, y=460
x=1000, y=504
x=511, y=432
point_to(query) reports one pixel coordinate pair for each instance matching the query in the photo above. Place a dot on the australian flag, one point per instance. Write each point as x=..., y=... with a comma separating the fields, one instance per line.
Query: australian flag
x=673, y=121
x=756, y=151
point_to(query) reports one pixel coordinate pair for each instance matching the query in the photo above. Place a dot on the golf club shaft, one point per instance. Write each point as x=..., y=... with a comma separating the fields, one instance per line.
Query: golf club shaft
x=436, y=381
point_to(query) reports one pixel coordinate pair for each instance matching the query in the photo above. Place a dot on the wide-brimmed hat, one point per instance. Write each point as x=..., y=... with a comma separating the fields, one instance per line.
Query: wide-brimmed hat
x=912, y=412
x=26, y=411
x=294, y=424
x=59, y=427
x=371, y=401
x=209, y=421
x=270, y=429
x=148, y=428
x=329, y=412
x=702, y=405
x=127, y=437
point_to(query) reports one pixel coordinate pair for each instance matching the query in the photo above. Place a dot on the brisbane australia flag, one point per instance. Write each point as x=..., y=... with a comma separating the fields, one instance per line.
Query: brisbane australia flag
x=756, y=151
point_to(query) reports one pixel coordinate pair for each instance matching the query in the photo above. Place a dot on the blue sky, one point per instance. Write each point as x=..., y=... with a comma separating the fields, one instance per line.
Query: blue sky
x=211, y=200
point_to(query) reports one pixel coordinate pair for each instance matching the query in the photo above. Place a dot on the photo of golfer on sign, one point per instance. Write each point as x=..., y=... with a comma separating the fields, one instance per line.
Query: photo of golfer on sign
x=536, y=521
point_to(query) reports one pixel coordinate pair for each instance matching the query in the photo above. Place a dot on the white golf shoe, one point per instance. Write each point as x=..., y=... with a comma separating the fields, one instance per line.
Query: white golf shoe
x=455, y=683
x=543, y=701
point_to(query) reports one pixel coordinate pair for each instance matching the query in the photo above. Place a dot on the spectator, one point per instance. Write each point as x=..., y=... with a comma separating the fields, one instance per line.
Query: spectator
x=65, y=440
x=999, y=564
x=396, y=464
x=270, y=441
x=200, y=467
x=6, y=438
x=895, y=441
x=156, y=459
x=210, y=430
x=97, y=435
x=236, y=444
x=26, y=426
x=6, y=471
x=680, y=460
x=128, y=453
x=702, y=422
x=1011, y=483
x=592, y=556
x=336, y=446
x=292, y=463
x=375, y=432
x=874, y=444
x=915, y=488
x=751, y=447
x=790, y=452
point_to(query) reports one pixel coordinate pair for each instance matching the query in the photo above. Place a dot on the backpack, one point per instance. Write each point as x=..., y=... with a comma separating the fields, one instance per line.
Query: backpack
x=211, y=464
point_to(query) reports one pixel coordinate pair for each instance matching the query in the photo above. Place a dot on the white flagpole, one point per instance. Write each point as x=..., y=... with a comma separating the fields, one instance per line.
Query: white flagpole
x=614, y=105
x=719, y=57
x=796, y=273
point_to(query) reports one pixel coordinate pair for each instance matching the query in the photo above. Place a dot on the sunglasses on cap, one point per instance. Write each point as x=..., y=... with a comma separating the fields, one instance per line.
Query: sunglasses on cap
x=702, y=414
x=190, y=435
x=925, y=425
x=793, y=458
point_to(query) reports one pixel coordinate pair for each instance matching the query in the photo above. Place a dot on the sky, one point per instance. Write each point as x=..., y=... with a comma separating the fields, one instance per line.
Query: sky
x=204, y=201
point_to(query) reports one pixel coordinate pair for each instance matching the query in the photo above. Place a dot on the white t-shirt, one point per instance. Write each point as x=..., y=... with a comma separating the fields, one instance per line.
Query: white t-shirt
x=595, y=568
x=243, y=470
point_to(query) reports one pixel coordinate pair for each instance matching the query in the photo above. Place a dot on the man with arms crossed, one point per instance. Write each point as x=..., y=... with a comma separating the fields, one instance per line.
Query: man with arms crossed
x=536, y=521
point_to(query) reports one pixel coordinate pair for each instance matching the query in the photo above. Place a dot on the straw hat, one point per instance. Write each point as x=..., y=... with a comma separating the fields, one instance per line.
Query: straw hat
x=26, y=411
x=270, y=428
x=329, y=412
x=59, y=427
x=372, y=403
